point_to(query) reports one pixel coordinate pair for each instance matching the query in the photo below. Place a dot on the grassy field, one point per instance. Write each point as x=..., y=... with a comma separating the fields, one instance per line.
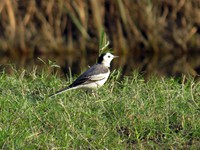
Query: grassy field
x=127, y=113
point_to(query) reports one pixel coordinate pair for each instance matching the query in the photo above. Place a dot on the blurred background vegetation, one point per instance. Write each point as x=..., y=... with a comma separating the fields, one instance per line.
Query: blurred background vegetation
x=152, y=35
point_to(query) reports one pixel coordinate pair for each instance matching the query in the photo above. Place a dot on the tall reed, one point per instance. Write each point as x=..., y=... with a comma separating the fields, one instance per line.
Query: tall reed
x=64, y=25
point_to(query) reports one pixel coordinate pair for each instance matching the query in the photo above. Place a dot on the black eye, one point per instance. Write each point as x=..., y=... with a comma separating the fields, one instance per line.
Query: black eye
x=108, y=56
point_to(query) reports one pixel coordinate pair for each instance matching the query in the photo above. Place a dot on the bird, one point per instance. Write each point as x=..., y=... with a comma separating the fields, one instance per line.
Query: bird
x=94, y=77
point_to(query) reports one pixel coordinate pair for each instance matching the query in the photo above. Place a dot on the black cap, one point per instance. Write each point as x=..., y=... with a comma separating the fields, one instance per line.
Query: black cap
x=100, y=59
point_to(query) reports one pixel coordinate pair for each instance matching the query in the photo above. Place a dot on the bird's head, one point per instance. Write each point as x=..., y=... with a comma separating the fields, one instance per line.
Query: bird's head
x=106, y=58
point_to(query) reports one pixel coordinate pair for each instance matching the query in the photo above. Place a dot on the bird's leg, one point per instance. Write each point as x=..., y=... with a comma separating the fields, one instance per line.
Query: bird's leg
x=92, y=92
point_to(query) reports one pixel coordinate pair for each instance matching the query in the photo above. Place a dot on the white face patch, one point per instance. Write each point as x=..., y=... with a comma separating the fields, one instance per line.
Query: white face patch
x=108, y=57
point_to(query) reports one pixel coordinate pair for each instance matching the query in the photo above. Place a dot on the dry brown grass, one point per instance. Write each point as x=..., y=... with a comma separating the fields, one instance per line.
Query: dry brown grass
x=64, y=25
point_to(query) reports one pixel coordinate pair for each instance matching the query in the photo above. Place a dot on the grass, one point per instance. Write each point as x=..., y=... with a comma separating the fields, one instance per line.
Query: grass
x=130, y=113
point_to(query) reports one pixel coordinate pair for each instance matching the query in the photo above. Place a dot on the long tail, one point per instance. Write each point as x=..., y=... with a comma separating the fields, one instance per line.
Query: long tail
x=60, y=91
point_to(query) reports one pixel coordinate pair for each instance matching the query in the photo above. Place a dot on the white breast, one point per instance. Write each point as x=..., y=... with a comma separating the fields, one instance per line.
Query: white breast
x=101, y=82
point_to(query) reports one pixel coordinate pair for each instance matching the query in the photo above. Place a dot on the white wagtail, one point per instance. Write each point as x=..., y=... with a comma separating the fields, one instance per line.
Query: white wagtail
x=94, y=77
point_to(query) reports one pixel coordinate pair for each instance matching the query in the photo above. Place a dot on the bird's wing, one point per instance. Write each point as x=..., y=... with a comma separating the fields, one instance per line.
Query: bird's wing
x=86, y=80
x=79, y=81
x=92, y=74
x=97, y=77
